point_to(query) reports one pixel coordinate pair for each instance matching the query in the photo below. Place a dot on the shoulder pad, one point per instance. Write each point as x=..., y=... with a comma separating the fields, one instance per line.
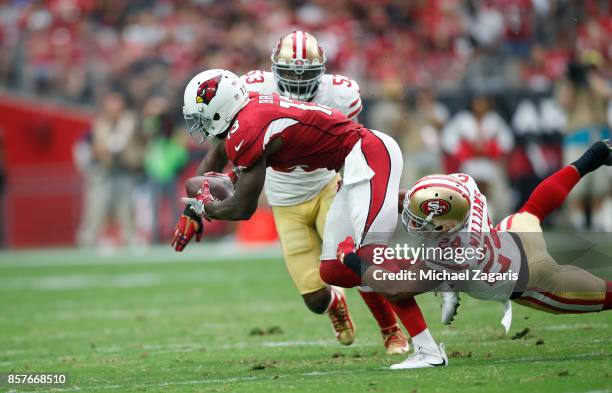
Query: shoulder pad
x=462, y=177
x=259, y=81
x=344, y=94
x=468, y=181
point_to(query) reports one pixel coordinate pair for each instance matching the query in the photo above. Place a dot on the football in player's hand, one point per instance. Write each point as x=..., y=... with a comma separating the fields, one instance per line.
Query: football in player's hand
x=221, y=186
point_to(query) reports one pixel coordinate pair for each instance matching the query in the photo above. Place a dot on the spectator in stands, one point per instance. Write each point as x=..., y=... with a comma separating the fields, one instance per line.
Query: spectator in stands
x=477, y=142
x=73, y=50
x=421, y=141
x=544, y=66
x=388, y=113
x=118, y=155
x=486, y=24
x=584, y=95
x=166, y=156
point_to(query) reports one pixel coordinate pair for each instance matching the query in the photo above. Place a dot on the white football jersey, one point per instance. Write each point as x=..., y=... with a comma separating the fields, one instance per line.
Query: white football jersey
x=493, y=273
x=298, y=186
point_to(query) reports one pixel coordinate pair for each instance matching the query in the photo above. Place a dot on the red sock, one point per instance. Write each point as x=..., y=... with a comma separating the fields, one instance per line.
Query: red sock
x=551, y=192
x=410, y=314
x=380, y=309
x=608, y=300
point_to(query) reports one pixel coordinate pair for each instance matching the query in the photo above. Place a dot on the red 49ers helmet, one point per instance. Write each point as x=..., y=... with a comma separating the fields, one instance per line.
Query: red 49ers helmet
x=298, y=64
x=436, y=203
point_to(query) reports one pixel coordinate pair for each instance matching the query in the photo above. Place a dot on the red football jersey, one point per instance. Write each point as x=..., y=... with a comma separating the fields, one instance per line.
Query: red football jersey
x=314, y=136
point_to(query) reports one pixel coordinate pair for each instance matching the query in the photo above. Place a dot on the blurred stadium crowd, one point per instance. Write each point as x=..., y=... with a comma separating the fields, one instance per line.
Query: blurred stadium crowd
x=506, y=90
x=75, y=49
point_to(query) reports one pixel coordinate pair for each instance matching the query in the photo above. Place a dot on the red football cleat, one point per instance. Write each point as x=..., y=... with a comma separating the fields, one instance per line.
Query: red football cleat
x=395, y=340
x=340, y=318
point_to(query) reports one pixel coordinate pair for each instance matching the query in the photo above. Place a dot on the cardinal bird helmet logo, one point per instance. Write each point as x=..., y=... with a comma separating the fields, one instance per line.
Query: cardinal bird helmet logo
x=207, y=90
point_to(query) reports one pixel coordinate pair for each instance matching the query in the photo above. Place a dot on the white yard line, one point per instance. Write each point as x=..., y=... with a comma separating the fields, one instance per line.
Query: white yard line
x=83, y=281
x=160, y=349
x=194, y=346
x=575, y=326
x=305, y=374
x=210, y=252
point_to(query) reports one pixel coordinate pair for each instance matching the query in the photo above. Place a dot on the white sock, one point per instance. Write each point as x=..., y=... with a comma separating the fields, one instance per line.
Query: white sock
x=424, y=339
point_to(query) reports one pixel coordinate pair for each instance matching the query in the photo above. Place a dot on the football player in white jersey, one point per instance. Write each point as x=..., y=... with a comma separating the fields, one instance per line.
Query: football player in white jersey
x=449, y=213
x=300, y=200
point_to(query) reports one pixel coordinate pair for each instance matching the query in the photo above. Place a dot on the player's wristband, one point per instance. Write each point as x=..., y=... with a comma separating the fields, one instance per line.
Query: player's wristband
x=353, y=262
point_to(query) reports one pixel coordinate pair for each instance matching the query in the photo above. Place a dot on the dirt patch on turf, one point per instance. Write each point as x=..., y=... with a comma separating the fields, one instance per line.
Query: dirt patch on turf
x=271, y=331
x=521, y=334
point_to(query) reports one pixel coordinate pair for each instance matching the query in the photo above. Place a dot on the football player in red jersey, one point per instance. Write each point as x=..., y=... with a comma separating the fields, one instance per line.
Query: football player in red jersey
x=256, y=131
x=300, y=199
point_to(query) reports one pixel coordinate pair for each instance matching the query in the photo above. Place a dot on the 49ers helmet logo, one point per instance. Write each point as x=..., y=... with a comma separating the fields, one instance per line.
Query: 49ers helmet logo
x=438, y=207
x=207, y=90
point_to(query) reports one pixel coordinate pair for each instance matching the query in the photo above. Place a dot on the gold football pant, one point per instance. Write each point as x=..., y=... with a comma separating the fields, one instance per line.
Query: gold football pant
x=300, y=229
x=552, y=287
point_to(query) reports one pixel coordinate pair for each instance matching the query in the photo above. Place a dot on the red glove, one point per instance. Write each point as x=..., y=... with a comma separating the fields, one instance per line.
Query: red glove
x=185, y=228
x=198, y=203
x=344, y=248
x=204, y=194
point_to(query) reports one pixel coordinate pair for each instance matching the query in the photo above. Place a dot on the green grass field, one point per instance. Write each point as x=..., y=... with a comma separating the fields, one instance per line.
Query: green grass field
x=170, y=323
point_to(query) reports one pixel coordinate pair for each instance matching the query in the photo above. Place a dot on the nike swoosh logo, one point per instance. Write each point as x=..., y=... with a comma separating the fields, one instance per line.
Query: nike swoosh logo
x=438, y=364
x=238, y=146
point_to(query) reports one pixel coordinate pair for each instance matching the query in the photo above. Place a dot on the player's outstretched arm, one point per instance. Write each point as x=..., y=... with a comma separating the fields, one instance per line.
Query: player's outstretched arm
x=395, y=278
x=380, y=280
x=215, y=160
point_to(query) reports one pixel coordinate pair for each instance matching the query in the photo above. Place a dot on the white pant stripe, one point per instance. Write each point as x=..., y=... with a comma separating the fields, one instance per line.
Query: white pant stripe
x=562, y=306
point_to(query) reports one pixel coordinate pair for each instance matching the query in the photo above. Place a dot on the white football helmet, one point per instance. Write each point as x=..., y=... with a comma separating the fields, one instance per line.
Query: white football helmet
x=212, y=100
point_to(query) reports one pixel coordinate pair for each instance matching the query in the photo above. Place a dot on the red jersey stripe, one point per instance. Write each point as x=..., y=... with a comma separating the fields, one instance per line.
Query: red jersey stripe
x=355, y=112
